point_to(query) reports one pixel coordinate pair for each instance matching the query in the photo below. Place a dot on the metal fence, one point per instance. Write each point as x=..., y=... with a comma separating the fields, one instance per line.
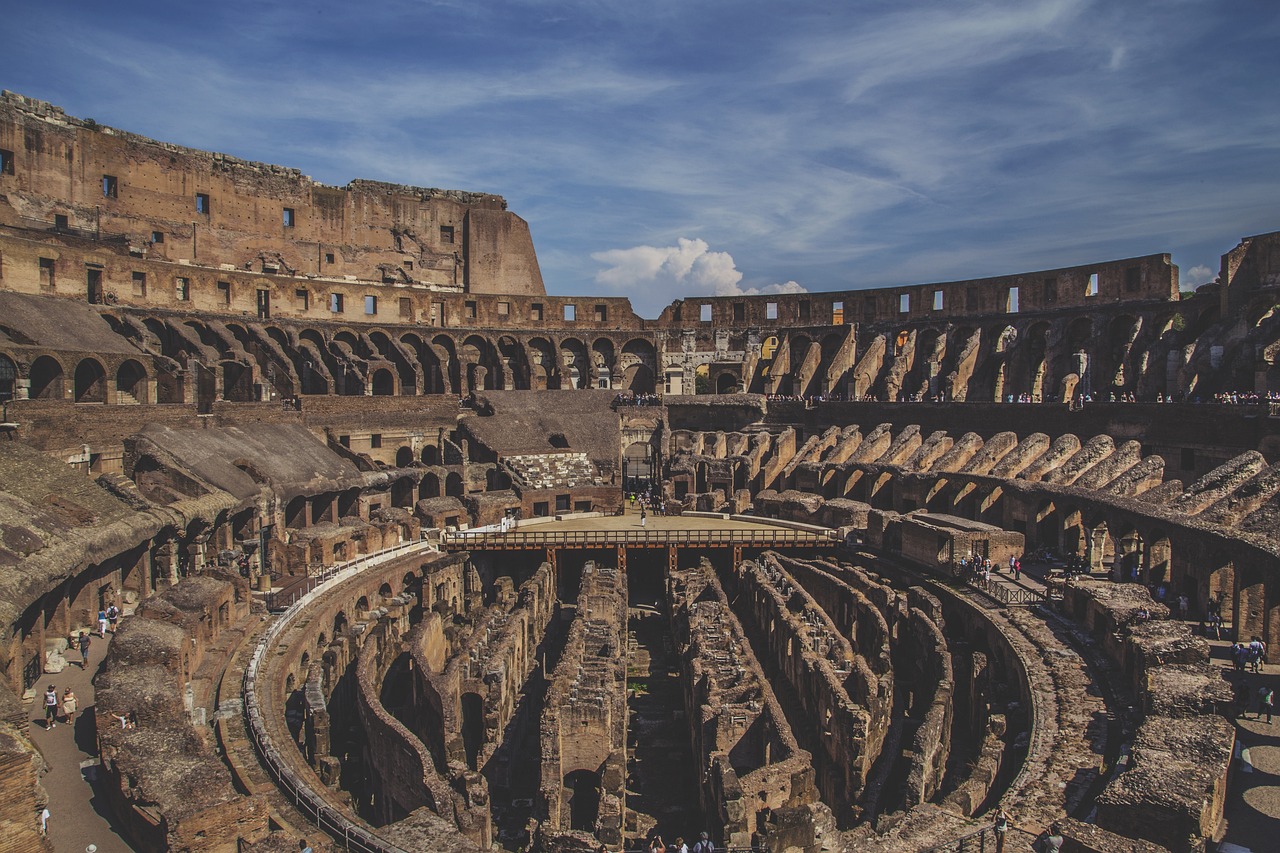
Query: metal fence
x=1010, y=595
x=585, y=538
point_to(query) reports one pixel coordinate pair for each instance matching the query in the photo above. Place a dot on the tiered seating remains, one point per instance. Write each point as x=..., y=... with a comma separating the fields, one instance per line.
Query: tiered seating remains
x=554, y=470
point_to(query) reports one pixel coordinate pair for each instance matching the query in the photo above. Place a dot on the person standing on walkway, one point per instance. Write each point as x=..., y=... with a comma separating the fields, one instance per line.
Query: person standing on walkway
x=113, y=616
x=1266, y=702
x=50, y=708
x=1001, y=826
x=102, y=623
x=83, y=642
x=703, y=845
x=642, y=515
x=44, y=821
x=69, y=706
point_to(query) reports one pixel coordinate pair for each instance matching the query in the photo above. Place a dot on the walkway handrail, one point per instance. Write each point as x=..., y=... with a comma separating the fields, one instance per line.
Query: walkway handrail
x=540, y=538
x=352, y=836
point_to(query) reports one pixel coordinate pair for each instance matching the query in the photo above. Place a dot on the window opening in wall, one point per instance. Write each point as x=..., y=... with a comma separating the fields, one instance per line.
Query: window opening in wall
x=406, y=308
x=375, y=440
x=535, y=311
x=6, y=161
x=264, y=304
x=344, y=440
x=224, y=288
x=1132, y=279
x=371, y=305
x=139, y=284
x=407, y=265
x=937, y=300
x=446, y=233
x=1093, y=285
x=739, y=312
x=1011, y=301
x=157, y=236
x=504, y=309
x=437, y=314
x=46, y=274
x=904, y=303
x=182, y=289
x=288, y=217
x=804, y=310
x=704, y=313
x=328, y=257
x=771, y=310
x=93, y=281
x=110, y=186
x=1050, y=291
x=602, y=314
x=470, y=306
x=302, y=298
x=60, y=222
x=570, y=313
x=335, y=303
x=203, y=204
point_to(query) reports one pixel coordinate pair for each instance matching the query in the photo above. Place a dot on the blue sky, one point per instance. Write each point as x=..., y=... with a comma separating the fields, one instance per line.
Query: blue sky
x=669, y=149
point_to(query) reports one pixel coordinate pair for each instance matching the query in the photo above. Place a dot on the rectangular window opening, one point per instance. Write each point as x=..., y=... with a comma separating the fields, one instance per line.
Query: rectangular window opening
x=704, y=313
x=224, y=288
x=375, y=440
x=937, y=300
x=570, y=313
x=110, y=186
x=805, y=310
x=264, y=304
x=335, y=303
x=446, y=233
x=837, y=313
x=406, y=308
x=46, y=274
x=535, y=312
x=504, y=309
x=1050, y=291
x=371, y=305
x=602, y=314
x=182, y=289
x=203, y=204
x=407, y=265
x=771, y=310
x=328, y=257
x=139, y=284
x=471, y=309
x=302, y=298
x=288, y=217
x=1011, y=301
x=6, y=161
x=739, y=312
x=1093, y=285
x=157, y=236
x=904, y=303
x=60, y=222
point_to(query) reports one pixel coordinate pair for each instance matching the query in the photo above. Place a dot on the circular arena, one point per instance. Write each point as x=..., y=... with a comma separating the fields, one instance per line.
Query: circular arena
x=409, y=554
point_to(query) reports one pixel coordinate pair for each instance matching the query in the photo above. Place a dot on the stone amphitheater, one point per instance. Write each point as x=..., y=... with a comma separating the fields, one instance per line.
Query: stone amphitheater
x=364, y=494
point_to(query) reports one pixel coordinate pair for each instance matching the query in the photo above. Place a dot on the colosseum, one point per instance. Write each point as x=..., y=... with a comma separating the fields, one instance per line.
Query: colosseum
x=378, y=546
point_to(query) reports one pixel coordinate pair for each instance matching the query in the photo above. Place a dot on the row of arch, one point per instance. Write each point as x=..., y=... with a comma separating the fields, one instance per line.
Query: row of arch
x=89, y=382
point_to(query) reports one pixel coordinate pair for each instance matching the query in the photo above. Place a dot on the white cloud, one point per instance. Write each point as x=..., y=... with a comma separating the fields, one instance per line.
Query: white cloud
x=687, y=265
x=1196, y=276
x=786, y=287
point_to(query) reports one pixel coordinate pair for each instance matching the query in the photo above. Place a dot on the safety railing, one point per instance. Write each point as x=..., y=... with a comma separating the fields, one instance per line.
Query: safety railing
x=582, y=538
x=1008, y=594
x=350, y=835
x=286, y=598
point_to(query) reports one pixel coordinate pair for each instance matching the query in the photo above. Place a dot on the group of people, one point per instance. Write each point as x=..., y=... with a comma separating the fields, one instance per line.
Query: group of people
x=59, y=708
x=628, y=398
x=656, y=845
x=1248, y=656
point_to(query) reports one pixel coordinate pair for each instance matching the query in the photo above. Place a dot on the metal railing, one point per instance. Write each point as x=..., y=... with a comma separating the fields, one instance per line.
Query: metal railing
x=1008, y=594
x=584, y=538
x=352, y=836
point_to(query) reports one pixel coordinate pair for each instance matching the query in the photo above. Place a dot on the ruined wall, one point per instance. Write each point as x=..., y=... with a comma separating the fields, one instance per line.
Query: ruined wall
x=584, y=724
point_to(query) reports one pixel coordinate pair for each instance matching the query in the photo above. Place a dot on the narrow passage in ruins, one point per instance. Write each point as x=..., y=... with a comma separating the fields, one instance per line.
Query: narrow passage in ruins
x=662, y=775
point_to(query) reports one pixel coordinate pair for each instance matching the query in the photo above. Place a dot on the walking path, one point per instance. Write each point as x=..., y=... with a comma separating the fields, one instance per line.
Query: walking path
x=78, y=810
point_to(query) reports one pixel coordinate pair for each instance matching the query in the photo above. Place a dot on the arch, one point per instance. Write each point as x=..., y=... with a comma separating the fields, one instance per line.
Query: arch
x=432, y=378
x=90, y=384
x=362, y=604
x=450, y=369
x=385, y=591
x=453, y=484
x=639, y=364
x=429, y=487
x=339, y=623
x=8, y=377
x=727, y=383
x=515, y=364
x=402, y=492
x=46, y=379
x=404, y=457
x=384, y=383
x=582, y=787
x=603, y=358
x=131, y=383
x=430, y=455
x=576, y=366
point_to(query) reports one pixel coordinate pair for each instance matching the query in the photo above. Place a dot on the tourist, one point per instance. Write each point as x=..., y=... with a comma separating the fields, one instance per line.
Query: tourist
x=703, y=844
x=1184, y=606
x=1052, y=843
x=102, y=623
x=44, y=821
x=642, y=515
x=1266, y=702
x=679, y=846
x=51, y=707
x=1257, y=649
x=656, y=845
x=1215, y=622
x=83, y=642
x=1001, y=826
x=113, y=616
x=304, y=847
x=69, y=706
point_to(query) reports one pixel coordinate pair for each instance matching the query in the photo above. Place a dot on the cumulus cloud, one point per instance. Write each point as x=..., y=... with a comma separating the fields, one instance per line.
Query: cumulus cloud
x=1196, y=276
x=687, y=267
